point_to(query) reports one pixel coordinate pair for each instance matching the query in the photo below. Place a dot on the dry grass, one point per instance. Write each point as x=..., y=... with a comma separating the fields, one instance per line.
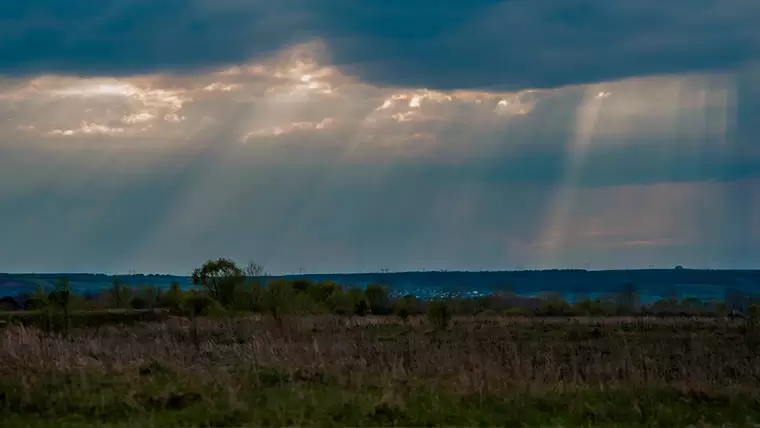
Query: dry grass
x=481, y=353
x=481, y=357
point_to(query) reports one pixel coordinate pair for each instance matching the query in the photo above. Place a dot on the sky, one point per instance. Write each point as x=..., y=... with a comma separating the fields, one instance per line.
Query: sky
x=354, y=136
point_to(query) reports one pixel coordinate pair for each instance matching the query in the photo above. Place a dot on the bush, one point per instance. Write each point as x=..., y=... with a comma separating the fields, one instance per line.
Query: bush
x=515, y=312
x=402, y=311
x=198, y=304
x=216, y=310
x=753, y=316
x=35, y=304
x=592, y=308
x=378, y=299
x=341, y=303
x=439, y=314
x=556, y=307
x=138, y=303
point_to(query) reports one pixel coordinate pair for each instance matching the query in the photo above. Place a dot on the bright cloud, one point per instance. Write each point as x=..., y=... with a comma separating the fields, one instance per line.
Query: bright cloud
x=290, y=156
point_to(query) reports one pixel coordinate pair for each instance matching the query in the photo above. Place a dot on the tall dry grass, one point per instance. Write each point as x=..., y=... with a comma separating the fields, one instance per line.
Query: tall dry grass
x=473, y=355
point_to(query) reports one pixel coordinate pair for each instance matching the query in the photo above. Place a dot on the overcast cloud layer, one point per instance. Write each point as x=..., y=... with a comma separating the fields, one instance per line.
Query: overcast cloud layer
x=509, y=44
x=153, y=135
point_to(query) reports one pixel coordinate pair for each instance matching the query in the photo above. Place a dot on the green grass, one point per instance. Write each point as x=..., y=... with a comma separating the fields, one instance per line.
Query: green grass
x=272, y=397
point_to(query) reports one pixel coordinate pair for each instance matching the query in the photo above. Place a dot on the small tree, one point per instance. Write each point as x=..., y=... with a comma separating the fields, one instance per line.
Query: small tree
x=402, y=311
x=341, y=303
x=628, y=299
x=116, y=292
x=322, y=292
x=37, y=300
x=301, y=285
x=149, y=294
x=61, y=298
x=753, y=316
x=439, y=314
x=61, y=295
x=378, y=300
x=359, y=301
x=219, y=278
x=254, y=271
x=198, y=304
x=278, y=298
x=173, y=298
x=139, y=302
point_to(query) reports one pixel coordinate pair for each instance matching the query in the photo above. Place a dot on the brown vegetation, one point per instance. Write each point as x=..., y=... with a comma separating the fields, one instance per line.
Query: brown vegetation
x=474, y=353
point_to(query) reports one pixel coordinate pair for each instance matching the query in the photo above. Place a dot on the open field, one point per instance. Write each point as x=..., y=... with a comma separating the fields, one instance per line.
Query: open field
x=341, y=371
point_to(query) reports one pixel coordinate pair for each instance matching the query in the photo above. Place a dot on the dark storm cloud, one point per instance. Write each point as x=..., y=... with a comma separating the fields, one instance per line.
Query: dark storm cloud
x=464, y=44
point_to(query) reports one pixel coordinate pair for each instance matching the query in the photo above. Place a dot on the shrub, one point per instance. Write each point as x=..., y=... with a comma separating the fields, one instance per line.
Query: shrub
x=35, y=303
x=591, y=307
x=216, y=310
x=515, y=312
x=198, y=304
x=753, y=316
x=439, y=314
x=402, y=312
x=173, y=298
x=138, y=302
x=341, y=303
x=378, y=300
x=555, y=307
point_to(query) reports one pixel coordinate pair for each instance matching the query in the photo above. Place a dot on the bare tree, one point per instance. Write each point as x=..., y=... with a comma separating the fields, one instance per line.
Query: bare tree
x=254, y=270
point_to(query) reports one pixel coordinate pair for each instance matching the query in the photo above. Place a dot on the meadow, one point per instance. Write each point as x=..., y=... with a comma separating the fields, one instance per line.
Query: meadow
x=371, y=371
x=235, y=353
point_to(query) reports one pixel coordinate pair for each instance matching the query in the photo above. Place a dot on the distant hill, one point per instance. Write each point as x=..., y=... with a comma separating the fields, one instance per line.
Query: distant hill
x=705, y=284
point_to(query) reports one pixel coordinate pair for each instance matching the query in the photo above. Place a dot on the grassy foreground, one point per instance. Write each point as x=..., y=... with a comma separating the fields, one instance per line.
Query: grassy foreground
x=331, y=371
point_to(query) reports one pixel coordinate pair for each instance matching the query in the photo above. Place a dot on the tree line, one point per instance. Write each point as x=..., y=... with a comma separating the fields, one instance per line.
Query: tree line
x=224, y=288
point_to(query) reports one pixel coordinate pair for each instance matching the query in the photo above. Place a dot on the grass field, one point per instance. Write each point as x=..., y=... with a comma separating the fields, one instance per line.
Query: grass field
x=339, y=371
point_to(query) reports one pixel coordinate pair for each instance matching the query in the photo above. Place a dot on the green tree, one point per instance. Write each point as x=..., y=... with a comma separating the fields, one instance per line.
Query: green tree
x=219, y=279
x=61, y=298
x=358, y=301
x=198, y=304
x=301, y=285
x=341, y=303
x=321, y=292
x=37, y=300
x=591, y=307
x=116, y=288
x=139, y=302
x=149, y=294
x=555, y=307
x=279, y=298
x=753, y=317
x=61, y=295
x=378, y=300
x=628, y=299
x=173, y=298
x=402, y=311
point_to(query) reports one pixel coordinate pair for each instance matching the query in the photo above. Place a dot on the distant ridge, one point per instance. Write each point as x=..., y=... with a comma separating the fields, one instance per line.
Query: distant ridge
x=702, y=283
